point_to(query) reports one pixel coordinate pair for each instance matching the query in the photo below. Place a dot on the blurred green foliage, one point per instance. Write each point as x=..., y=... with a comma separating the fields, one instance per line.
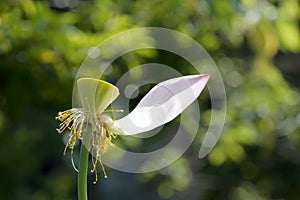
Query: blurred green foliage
x=257, y=157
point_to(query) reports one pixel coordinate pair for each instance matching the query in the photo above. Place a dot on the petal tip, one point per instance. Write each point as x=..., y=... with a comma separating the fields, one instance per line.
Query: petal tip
x=204, y=76
x=199, y=78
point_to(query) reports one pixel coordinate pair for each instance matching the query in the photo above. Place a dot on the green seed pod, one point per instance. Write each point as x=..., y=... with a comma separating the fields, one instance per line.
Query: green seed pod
x=96, y=95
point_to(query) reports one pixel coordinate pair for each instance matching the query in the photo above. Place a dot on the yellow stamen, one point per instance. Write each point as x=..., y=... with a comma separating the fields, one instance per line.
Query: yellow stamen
x=102, y=135
x=103, y=169
x=95, y=169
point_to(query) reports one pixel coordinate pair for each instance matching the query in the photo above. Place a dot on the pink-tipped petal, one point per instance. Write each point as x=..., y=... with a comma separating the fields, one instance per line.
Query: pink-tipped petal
x=163, y=103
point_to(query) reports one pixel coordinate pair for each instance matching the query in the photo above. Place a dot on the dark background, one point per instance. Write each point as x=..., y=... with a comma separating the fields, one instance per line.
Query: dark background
x=255, y=45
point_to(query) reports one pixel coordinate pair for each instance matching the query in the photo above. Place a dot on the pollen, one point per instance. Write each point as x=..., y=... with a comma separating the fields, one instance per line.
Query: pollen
x=72, y=119
x=101, y=140
x=103, y=132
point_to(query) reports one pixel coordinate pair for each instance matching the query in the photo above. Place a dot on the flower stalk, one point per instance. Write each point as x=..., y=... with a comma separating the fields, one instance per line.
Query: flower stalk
x=82, y=173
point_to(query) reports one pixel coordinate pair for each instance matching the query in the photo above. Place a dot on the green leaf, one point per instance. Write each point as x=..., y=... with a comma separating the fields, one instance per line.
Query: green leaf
x=96, y=95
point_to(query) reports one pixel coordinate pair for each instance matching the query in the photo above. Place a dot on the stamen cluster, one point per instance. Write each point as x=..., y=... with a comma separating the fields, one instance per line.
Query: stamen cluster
x=103, y=131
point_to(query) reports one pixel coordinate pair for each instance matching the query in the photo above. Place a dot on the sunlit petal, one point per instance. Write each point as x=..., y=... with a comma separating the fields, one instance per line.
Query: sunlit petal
x=163, y=103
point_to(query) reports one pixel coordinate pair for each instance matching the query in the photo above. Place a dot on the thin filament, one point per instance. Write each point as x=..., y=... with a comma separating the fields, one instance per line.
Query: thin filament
x=113, y=111
x=73, y=164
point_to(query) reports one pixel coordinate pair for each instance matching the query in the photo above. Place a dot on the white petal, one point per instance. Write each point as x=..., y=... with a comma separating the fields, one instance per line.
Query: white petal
x=163, y=103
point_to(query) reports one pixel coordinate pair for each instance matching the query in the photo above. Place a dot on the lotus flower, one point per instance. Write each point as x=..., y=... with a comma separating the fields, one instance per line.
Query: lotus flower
x=160, y=105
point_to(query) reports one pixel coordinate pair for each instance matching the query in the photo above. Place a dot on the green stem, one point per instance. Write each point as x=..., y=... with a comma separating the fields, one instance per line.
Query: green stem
x=82, y=174
x=83, y=166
